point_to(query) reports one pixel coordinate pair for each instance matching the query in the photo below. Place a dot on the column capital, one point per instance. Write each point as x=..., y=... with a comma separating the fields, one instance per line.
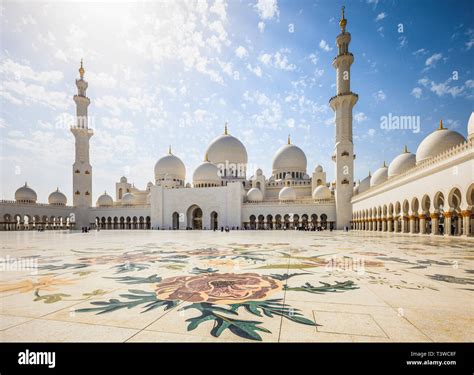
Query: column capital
x=466, y=213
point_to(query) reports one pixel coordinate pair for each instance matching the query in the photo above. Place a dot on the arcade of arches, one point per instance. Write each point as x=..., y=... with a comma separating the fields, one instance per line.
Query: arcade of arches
x=288, y=221
x=35, y=222
x=449, y=215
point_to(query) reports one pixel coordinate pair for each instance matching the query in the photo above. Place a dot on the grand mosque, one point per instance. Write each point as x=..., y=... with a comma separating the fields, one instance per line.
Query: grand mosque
x=429, y=192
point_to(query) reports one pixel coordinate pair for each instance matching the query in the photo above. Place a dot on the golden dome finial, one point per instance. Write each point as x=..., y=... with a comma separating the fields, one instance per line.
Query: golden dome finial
x=405, y=150
x=441, y=125
x=384, y=164
x=169, y=149
x=289, y=139
x=225, y=129
x=343, y=21
x=370, y=175
x=81, y=70
x=206, y=157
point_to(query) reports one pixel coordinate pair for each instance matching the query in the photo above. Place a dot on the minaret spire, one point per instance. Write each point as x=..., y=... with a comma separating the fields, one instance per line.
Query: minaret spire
x=343, y=21
x=342, y=104
x=81, y=71
x=225, y=129
x=289, y=139
x=82, y=169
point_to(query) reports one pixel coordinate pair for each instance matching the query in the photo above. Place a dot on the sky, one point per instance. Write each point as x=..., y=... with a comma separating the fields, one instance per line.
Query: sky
x=173, y=72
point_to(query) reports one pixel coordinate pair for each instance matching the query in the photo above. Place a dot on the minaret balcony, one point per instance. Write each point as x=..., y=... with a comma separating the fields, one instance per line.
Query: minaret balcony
x=344, y=54
x=341, y=98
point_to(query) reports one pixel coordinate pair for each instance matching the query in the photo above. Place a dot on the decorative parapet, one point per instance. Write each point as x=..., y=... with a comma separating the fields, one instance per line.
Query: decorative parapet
x=276, y=202
x=13, y=202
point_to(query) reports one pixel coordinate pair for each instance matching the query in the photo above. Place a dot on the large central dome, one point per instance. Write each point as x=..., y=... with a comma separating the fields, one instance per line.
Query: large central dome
x=289, y=158
x=227, y=148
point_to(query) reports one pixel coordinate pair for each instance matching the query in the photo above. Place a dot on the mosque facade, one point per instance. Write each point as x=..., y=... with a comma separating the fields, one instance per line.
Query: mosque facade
x=429, y=192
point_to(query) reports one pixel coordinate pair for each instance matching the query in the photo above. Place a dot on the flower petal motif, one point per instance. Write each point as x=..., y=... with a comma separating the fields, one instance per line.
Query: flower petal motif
x=220, y=288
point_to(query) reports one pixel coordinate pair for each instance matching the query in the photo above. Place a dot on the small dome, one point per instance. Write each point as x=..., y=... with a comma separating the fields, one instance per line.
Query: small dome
x=401, y=163
x=259, y=172
x=227, y=148
x=289, y=158
x=470, y=126
x=25, y=194
x=105, y=200
x=318, y=169
x=128, y=199
x=437, y=142
x=254, y=195
x=379, y=176
x=57, y=198
x=365, y=184
x=123, y=179
x=206, y=173
x=321, y=192
x=170, y=167
x=287, y=194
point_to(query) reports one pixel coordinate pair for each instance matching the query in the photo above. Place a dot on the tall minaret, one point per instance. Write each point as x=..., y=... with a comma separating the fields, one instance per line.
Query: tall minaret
x=82, y=169
x=342, y=105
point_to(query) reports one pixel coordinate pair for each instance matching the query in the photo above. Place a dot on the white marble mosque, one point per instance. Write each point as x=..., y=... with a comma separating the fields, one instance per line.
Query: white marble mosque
x=427, y=192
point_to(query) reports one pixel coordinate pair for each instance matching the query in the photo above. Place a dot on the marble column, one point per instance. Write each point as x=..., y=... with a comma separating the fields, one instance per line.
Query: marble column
x=434, y=224
x=466, y=217
x=384, y=224
x=422, y=224
x=412, y=224
x=396, y=224
x=390, y=224
x=447, y=223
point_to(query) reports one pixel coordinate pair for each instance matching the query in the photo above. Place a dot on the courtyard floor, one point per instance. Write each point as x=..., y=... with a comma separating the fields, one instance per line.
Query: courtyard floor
x=272, y=286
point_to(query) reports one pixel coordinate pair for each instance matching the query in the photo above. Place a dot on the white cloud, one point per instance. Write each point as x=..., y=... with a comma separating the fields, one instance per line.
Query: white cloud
x=314, y=58
x=23, y=72
x=416, y=92
x=380, y=16
x=324, y=46
x=360, y=117
x=420, y=52
x=267, y=9
x=431, y=61
x=445, y=88
x=241, y=52
x=379, y=96
x=402, y=41
x=374, y=2
x=261, y=26
x=19, y=92
x=371, y=132
x=255, y=70
x=219, y=8
x=102, y=80
x=278, y=60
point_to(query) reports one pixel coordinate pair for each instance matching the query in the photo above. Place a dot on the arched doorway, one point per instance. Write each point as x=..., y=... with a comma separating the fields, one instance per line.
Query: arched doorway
x=252, y=222
x=194, y=216
x=175, y=220
x=214, y=221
